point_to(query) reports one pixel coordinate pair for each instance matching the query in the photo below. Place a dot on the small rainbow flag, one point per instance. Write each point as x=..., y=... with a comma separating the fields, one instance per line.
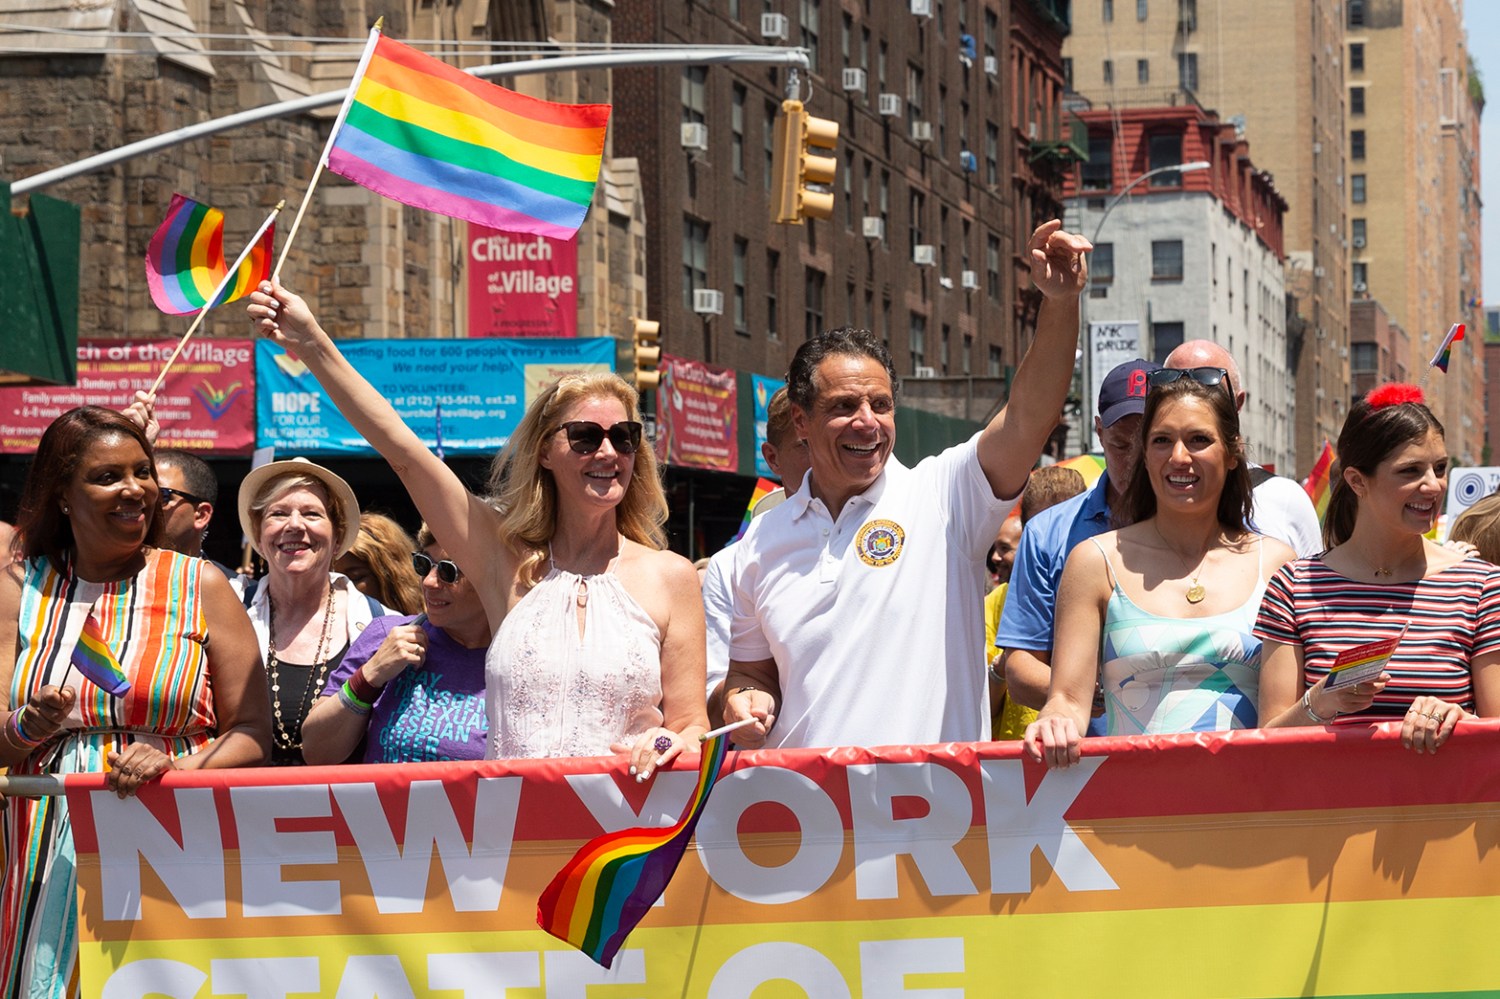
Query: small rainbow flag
x=424, y=133
x=185, y=259
x=763, y=488
x=610, y=884
x=93, y=658
x=1445, y=352
x=1317, y=485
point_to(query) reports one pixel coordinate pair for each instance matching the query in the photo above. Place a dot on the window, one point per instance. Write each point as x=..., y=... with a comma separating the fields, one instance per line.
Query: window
x=1357, y=57
x=849, y=318
x=694, y=82
x=991, y=29
x=1364, y=358
x=913, y=97
x=992, y=267
x=1140, y=10
x=942, y=123
x=1357, y=144
x=942, y=238
x=1109, y=10
x=1068, y=72
x=1109, y=71
x=734, y=9
x=737, y=132
x=814, y=303
x=1098, y=172
x=773, y=277
x=870, y=310
x=882, y=65
x=1187, y=15
x=694, y=259
x=1357, y=188
x=810, y=13
x=1187, y=71
x=963, y=124
x=918, y=341
x=997, y=362
x=741, y=250
x=965, y=249
x=968, y=354
x=1357, y=230
x=1143, y=71
x=885, y=202
x=885, y=323
x=943, y=351
x=918, y=208
x=769, y=138
x=1165, y=338
x=1361, y=276
x=846, y=37
x=864, y=188
x=1166, y=260
x=1166, y=151
x=848, y=173
x=1356, y=100
x=1356, y=13
x=1102, y=263
x=991, y=155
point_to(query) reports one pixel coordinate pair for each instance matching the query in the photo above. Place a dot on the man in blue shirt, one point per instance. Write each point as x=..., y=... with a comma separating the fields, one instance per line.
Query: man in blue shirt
x=1031, y=605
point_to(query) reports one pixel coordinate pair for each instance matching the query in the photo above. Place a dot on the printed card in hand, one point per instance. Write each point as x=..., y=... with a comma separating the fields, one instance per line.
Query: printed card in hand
x=1363, y=662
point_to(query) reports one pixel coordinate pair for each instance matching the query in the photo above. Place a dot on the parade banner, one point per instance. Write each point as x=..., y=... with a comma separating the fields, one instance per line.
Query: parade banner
x=207, y=403
x=763, y=388
x=696, y=411
x=1467, y=486
x=1290, y=862
x=479, y=389
x=521, y=285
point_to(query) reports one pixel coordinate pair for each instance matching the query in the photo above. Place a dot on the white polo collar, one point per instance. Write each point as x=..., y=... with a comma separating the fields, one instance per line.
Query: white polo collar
x=801, y=501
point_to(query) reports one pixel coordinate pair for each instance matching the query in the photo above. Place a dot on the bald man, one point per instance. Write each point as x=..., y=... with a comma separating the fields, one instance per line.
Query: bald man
x=1282, y=508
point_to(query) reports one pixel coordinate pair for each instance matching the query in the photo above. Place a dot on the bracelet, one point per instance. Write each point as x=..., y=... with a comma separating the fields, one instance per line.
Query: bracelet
x=362, y=689
x=1307, y=707
x=741, y=690
x=352, y=702
x=13, y=728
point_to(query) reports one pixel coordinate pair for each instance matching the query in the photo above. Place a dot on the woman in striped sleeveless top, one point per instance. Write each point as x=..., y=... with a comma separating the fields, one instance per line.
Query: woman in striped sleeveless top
x=1379, y=575
x=1166, y=604
x=125, y=657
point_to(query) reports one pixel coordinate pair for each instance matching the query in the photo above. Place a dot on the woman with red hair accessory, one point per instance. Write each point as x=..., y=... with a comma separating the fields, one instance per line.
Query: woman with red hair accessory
x=1381, y=579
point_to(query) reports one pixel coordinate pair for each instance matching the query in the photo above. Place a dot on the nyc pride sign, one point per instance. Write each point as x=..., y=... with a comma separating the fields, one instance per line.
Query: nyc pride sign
x=1284, y=863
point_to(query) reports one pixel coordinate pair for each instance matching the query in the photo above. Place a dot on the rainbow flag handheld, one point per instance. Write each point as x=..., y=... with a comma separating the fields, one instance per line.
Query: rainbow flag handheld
x=93, y=658
x=1445, y=351
x=185, y=259
x=610, y=884
x=763, y=488
x=424, y=133
x=1318, y=486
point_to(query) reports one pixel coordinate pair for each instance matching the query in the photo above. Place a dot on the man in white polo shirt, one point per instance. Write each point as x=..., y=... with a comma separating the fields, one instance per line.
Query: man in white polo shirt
x=858, y=617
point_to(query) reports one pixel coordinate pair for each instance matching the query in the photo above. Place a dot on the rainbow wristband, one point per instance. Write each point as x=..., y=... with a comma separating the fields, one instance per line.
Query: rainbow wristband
x=14, y=727
x=361, y=689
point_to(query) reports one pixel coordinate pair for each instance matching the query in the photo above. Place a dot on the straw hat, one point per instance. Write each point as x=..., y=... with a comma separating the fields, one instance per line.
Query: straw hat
x=337, y=488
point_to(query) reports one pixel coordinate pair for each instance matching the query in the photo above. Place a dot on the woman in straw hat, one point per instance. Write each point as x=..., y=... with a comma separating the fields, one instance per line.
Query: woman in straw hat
x=300, y=517
x=599, y=636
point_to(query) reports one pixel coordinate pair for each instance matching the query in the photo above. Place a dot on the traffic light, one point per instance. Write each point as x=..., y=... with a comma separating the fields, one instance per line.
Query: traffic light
x=794, y=167
x=647, y=354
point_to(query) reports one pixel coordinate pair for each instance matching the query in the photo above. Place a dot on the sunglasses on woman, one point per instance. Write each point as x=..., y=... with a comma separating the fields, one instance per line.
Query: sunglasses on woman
x=448, y=571
x=1203, y=376
x=586, y=436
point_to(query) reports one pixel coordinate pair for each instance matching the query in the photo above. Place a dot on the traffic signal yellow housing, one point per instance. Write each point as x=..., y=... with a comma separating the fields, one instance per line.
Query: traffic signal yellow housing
x=793, y=167
x=647, y=354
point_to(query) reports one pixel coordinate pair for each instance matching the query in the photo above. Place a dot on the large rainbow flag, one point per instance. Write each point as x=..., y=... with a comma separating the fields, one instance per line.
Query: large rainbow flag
x=608, y=887
x=763, y=488
x=429, y=135
x=1318, y=485
x=185, y=259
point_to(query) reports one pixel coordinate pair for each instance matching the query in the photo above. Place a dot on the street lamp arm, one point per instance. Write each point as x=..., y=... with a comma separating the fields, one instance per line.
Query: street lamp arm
x=1179, y=168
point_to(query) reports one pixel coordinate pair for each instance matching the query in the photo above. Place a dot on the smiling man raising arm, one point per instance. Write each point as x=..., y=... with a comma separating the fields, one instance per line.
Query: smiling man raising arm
x=858, y=612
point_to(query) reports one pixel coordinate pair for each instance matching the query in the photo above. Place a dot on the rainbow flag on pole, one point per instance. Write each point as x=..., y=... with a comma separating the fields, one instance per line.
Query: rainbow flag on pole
x=1318, y=486
x=424, y=133
x=185, y=259
x=1445, y=351
x=93, y=658
x=610, y=884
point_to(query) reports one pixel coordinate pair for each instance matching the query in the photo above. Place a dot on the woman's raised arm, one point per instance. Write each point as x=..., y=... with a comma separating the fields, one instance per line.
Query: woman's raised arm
x=461, y=522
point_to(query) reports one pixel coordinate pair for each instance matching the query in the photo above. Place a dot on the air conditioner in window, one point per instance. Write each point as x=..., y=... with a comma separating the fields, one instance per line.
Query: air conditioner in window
x=695, y=135
x=854, y=79
x=924, y=371
x=921, y=131
x=708, y=302
x=1343, y=351
x=873, y=226
x=924, y=253
x=1321, y=393
x=968, y=161
x=890, y=105
x=1359, y=242
x=774, y=26
x=1322, y=334
x=969, y=280
x=1361, y=287
x=1318, y=272
x=1031, y=130
x=921, y=8
x=992, y=65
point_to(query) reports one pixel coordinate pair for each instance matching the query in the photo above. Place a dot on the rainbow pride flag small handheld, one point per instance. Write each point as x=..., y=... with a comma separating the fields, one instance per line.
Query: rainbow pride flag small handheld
x=1318, y=486
x=609, y=885
x=427, y=134
x=185, y=259
x=1445, y=350
x=92, y=657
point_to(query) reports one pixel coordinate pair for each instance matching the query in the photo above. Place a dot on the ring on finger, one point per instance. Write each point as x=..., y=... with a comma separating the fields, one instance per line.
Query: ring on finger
x=662, y=744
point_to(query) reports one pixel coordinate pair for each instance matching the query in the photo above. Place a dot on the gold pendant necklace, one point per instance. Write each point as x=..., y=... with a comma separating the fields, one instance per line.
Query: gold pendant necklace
x=1196, y=591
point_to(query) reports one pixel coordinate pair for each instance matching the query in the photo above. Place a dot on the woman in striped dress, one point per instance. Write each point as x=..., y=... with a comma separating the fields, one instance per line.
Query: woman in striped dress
x=1379, y=575
x=169, y=625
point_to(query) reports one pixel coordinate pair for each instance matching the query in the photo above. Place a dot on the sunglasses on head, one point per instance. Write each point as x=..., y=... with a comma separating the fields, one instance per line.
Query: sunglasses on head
x=168, y=495
x=448, y=571
x=586, y=436
x=1203, y=376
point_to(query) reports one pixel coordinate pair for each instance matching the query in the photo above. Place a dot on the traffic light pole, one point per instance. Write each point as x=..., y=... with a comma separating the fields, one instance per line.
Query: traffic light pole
x=754, y=55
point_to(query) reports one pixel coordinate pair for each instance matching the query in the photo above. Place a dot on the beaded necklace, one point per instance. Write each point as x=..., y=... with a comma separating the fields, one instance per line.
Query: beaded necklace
x=281, y=735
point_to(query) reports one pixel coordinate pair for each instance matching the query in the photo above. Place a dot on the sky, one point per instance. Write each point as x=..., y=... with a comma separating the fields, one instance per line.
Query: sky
x=1482, y=19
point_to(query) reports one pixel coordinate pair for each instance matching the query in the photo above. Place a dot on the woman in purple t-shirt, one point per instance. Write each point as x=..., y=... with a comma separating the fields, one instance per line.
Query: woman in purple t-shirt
x=411, y=687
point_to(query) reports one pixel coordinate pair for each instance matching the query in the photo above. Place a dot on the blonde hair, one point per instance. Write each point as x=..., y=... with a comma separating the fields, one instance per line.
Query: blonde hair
x=386, y=548
x=1479, y=525
x=526, y=493
x=274, y=489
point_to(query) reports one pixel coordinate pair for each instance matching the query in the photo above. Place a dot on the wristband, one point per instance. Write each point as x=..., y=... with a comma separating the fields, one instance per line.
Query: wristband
x=13, y=727
x=1307, y=707
x=361, y=688
x=351, y=702
x=741, y=690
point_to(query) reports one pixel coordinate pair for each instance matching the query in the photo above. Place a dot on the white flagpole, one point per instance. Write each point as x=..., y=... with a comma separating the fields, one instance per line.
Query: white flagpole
x=229, y=277
x=338, y=123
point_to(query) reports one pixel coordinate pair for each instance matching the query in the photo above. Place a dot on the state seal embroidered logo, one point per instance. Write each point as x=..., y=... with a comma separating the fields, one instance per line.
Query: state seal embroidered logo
x=879, y=542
